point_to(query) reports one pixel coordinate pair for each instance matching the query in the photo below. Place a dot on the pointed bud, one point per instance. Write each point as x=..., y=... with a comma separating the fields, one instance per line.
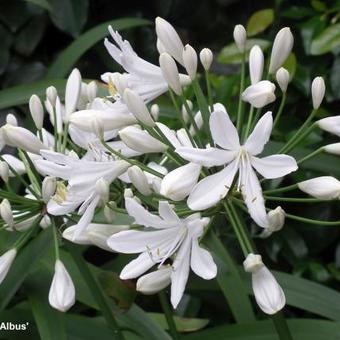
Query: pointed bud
x=170, y=72
x=4, y=171
x=324, y=187
x=276, y=221
x=103, y=189
x=45, y=222
x=155, y=281
x=72, y=92
x=14, y=163
x=240, y=37
x=91, y=90
x=282, y=78
x=333, y=149
x=206, y=58
x=268, y=293
x=6, y=212
x=256, y=60
x=49, y=185
x=154, y=110
x=6, y=261
x=139, y=140
x=190, y=61
x=11, y=119
x=138, y=108
x=139, y=180
x=178, y=183
x=185, y=113
x=318, y=91
x=109, y=214
x=62, y=292
x=259, y=94
x=51, y=95
x=37, y=111
x=282, y=46
x=199, y=123
x=72, y=235
x=330, y=124
x=170, y=40
x=184, y=138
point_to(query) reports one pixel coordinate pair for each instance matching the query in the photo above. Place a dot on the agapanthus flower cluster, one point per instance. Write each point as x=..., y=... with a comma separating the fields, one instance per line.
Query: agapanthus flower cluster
x=109, y=152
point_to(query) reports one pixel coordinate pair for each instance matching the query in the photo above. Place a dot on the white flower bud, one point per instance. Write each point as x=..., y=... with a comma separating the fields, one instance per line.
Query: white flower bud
x=276, y=221
x=6, y=212
x=282, y=78
x=190, y=61
x=128, y=193
x=45, y=222
x=137, y=106
x=268, y=293
x=183, y=138
x=51, y=95
x=259, y=94
x=109, y=214
x=139, y=140
x=318, y=91
x=91, y=90
x=324, y=187
x=330, y=124
x=332, y=148
x=6, y=261
x=4, y=171
x=240, y=37
x=37, y=111
x=97, y=127
x=11, y=119
x=206, y=58
x=49, y=185
x=62, y=292
x=103, y=189
x=160, y=48
x=72, y=93
x=139, y=180
x=155, y=281
x=185, y=113
x=170, y=72
x=282, y=46
x=154, y=110
x=170, y=40
x=177, y=184
x=199, y=123
x=72, y=235
x=14, y=163
x=256, y=60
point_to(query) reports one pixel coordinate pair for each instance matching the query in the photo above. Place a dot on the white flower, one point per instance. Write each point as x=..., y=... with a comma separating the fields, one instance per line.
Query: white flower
x=139, y=180
x=49, y=185
x=276, y=221
x=190, y=61
x=6, y=212
x=330, y=124
x=37, y=111
x=268, y=293
x=6, y=261
x=154, y=110
x=72, y=93
x=240, y=37
x=282, y=46
x=324, y=187
x=318, y=91
x=11, y=119
x=333, y=148
x=170, y=72
x=239, y=158
x=206, y=58
x=256, y=60
x=154, y=282
x=4, y=171
x=259, y=94
x=62, y=292
x=14, y=163
x=170, y=236
x=282, y=78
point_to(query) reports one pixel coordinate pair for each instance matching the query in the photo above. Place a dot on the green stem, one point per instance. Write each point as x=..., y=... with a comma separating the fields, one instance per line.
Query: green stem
x=168, y=315
x=281, y=326
x=279, y=112
x=250, y=119
x=239, y=109
x=64, y=139
x=55, y=239
x=311, y=221
x=293, y=199
x=311, y=155
x=210, y=100
x=282, y=189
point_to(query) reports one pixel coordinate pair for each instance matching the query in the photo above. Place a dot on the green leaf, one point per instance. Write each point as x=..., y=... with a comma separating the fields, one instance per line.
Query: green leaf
x=231, y=55
x=66, y=60
x=335, y=79
x=41, y=3
x=259, y=21
x=21, y=94
x=328, y=40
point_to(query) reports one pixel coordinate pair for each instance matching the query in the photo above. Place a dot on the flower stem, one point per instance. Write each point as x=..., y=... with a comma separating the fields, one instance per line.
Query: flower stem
x=281, y=326
x=168, y=314
x=294, y=199
x=314, y=153
x=279, y=112
x=55, y=239
x=282, y=189
x=207, y=81
x=239, y=110
x=250, y=119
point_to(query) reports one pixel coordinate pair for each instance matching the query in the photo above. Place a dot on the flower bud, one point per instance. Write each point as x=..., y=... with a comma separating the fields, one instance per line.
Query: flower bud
x=256, y=60
x=240, y=37
x=178, y=183
x=62, y=292
x=97, y=127
x=72, y=235
x=37, y=111
x=51, y=95
x=170, y=72
x=185, y=113
x=14, y=163
x=72, y=92
x=11, y=119
x=109, y=214
x=199, y=123
x=138, y=108
x=155, y=281
x=190, y=61
x=4, y=171
x=6, y=212
x=282, y=78
x=330, y=124
x=268, y=293
x=276, y=221
x=324, y=187
x=332, y=148
x=91, y=90
x=140, y=140
x=282, y=46
x=259, y=94
x=318, y=91
x=154, y=110
x=183, y=138
x=6, y=261
x=103, y=189
x=169, y=39
x=49, y=185
x=45, y=222
x=139, y=180
x=206, y=58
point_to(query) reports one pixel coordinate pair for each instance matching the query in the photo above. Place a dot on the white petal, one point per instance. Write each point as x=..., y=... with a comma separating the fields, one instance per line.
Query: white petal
x=15, y=163
x=6, y=261
x=274, y=166
x=202, y=262
x=212, y=189
x=155, y=281
x=72, y=91
x=137, y=267
x=260, y=135
x=330, y=124
x=206, y=157
x=223, y=131
x=324, y=187
x=167, y=212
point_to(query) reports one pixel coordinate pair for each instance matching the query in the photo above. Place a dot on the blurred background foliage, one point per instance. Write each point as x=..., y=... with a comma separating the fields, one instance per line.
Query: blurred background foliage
x=43, y=39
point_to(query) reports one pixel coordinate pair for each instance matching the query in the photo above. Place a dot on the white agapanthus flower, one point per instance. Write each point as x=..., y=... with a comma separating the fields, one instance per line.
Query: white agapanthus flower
x=238, y=158
x=166, y=237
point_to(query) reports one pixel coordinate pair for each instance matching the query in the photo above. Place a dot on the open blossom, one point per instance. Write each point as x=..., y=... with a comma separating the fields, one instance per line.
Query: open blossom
x=238, y=158
x=167, y=236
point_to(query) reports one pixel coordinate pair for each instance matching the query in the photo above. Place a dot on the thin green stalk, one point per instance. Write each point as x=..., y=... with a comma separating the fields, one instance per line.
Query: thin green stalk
x=294, y=199
x=31, y=173
x=281, y=326
x=311, y=155
x=282, y=189
x=168, y=314
x=256, y=118
x=250, y=119
x=311, y=221
x=64, y=137
x=240, y=102
x=279, y=112
x=55, y=239
x=40, y=135
x=207, y=82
